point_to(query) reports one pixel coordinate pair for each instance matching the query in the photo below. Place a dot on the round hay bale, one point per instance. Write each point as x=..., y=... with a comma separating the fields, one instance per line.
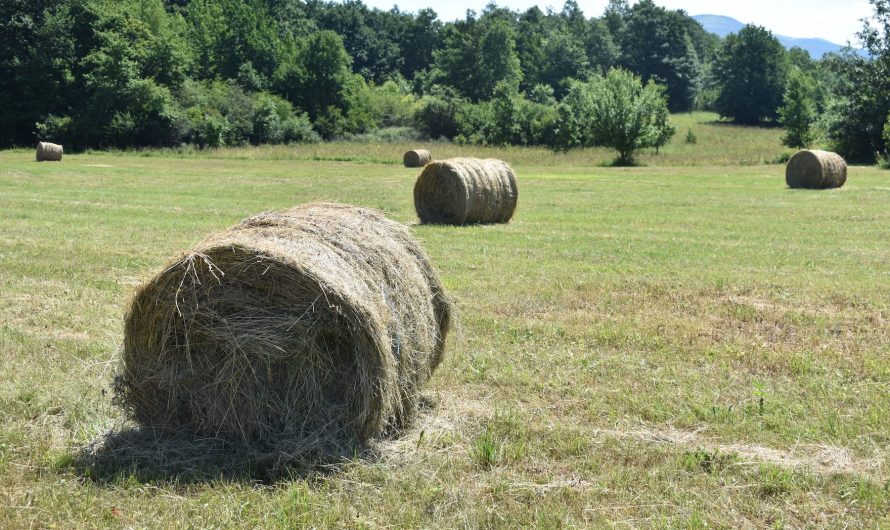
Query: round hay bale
x=49, y=152
x=417, y=158
x=319, y=323
x=465, y=191
x=816, y=170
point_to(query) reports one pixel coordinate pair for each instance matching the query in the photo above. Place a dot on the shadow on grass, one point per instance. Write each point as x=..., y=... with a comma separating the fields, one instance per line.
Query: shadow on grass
x=731, y=123
x=145, y=454
x=149, y=455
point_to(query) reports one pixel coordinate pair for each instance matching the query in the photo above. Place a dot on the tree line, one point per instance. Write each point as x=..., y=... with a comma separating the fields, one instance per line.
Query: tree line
x=122, y=73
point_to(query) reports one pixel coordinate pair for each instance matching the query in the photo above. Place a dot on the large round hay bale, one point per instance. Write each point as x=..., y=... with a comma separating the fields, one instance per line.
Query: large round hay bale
x=816, y=169
x=317, y=323
x=466, y=190
x=49, y=152
x=417, y=158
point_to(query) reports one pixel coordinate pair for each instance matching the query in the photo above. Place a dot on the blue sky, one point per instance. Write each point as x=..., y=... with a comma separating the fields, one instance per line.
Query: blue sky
x=834, y=20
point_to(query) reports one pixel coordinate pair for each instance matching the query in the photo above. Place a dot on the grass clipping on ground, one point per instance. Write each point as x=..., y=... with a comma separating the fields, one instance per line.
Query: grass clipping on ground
x=313, y=327
x=466, y=191
x=816, y=169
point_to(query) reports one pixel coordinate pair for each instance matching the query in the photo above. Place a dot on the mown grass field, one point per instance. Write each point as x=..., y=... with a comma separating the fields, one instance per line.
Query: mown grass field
x=686, y=344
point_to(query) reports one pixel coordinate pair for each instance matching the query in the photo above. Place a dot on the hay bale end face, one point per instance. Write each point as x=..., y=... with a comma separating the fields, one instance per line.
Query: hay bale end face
x=49, y=152
x=816, y=169
x=465, y=191
x=318, y=324
x=417, y=158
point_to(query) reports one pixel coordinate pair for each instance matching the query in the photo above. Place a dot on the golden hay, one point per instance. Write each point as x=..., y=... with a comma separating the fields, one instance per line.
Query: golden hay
x=417, y=158
x=49, y=152
x=816, y=169
x=315, y=325
x=465, y=191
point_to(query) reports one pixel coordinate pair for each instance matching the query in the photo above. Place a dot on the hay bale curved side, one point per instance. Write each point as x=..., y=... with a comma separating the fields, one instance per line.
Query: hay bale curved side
x=317, y=324
x=816, y=169
x=49, y=152
x=466, y=190
x=417, y=158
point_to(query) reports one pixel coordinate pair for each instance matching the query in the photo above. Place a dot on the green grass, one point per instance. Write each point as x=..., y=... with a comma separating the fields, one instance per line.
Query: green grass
x=717, y=143
x=687, y=344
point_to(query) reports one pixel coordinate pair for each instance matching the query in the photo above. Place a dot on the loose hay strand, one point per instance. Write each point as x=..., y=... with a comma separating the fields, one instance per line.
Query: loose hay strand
x=320, y=323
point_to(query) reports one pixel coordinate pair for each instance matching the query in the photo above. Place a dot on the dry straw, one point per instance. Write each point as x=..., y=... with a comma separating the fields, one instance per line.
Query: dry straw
x=49, y=152
x=417, y=158
x=314, y=326
x=816, y=169
x=466, y=190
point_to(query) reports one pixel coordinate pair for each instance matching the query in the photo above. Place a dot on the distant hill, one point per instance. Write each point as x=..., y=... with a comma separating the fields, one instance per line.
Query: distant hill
x=723, y=26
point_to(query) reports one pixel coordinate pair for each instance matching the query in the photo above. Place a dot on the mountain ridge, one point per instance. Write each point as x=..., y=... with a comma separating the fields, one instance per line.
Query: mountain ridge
x=722, y=26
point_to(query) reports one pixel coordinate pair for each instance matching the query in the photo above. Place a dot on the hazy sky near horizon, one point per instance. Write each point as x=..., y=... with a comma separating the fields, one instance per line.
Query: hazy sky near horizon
x=834, y=20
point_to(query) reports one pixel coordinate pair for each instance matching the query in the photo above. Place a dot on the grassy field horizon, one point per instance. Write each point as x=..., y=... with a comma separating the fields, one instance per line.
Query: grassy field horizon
x=701, y=139
x=684, y=344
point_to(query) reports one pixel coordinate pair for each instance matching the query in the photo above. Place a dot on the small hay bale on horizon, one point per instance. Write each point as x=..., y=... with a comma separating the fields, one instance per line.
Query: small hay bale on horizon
x=417, y=158
x=47, y=152
x=815, y=169
x=310, y=328
x=466, y=191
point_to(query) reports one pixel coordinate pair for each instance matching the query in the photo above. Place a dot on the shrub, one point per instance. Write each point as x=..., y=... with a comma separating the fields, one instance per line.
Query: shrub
x=436, y=114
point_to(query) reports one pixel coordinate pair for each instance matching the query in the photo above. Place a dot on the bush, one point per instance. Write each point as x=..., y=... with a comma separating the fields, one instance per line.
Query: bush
x=219, y=114
x=276, y=122
x=436, y=114
x=392, y=104
x=508, y=119
x=475, y=123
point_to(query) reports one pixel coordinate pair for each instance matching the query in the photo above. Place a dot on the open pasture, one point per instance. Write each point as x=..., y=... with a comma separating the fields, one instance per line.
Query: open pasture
x=679, y=345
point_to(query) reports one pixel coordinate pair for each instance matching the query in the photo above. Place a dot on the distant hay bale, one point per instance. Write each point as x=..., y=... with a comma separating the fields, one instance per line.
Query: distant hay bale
x=49, y=152
x=816, y=169
x=465, y=191
x=318, y=324
x=417, y=158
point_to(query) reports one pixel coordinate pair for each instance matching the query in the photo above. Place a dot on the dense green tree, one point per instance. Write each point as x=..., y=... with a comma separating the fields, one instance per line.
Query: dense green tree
x=750, y=73
x=614, y=17
x=564, y=59
x=476, y=56
x=616, y=110
x=418, y=40
x=498, y=61
x=228, y=33
x=859, y=101
x=656, y=45
x=38, y=53
x=319, y=81
x=436, y=116
x=224, y=72
x=531, y=31
x=366, y=36
x=602, y=52
x=798, y=110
